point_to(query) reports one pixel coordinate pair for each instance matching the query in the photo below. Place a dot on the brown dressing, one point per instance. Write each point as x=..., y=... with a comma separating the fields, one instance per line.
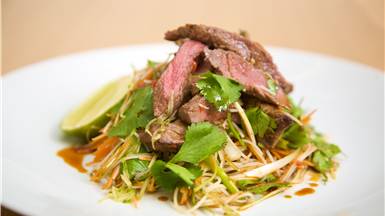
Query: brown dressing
x=315, y=177
x=305, y=191
x=287, y=196
x=163, y=198
x=104, y=148
x=73, y=158
x=313, y=184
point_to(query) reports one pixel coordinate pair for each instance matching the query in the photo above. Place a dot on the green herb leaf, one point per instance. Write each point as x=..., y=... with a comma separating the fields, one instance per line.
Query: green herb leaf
x=152, y=64
x=137, y=115
x=262, y=188
x=321, y=162
x=201, y=140
x=182, y=172
x=296, y=136
x=169, y=175
x=134, y=166
x=195, y=170
x=295, y=109
x=166, y=179
x=260, y=121
x=115, y=109
x=328, y=149
x=322, y=158
x=219, y=90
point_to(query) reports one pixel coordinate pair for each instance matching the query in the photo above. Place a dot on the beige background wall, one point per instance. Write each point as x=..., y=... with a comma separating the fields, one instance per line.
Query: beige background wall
x=34, y=30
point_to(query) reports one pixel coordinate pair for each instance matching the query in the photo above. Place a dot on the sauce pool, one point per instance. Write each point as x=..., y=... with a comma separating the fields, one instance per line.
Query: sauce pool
x=315, y=177
x=287, y=196
x=313, y=184
x=305, y=191
x=73, y=158
x=163, y=198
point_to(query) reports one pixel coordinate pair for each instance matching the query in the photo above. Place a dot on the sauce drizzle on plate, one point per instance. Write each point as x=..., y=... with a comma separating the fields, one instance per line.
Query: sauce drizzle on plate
x=305, y=191
x=73, y=158
x=163, y=198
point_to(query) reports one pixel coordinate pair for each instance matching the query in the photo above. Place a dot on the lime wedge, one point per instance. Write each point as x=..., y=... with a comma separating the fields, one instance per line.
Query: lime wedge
x=91, y=115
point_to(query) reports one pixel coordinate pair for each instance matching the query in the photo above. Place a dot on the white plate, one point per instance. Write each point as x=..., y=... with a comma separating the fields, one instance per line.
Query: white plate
x=348, y=97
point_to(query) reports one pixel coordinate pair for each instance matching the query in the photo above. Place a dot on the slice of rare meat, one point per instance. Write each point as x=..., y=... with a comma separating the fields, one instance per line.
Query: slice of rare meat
x=173, y=84
x=219, y=38
x=198, y=109
x=171, y=138
x=233, y=66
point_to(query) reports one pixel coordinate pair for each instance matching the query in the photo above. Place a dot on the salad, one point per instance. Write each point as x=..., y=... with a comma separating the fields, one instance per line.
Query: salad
x=213, y=128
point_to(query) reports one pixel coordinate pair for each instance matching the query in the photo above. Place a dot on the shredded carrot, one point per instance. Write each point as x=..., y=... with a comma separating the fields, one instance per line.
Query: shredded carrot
x=307, y=118
x=91, y=146
x=103, y=149
x=277, y=155
x=184, y=195
x=110, y=181
x=141, y=83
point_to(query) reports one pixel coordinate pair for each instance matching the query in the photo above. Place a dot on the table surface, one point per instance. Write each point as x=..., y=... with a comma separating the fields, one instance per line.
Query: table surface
x=37, y=30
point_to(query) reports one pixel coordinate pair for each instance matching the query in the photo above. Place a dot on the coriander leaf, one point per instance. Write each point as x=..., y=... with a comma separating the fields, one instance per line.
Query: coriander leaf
x=321, y=162
x=328, y=149
x=195, y=170
x=182, y=172
x=138, y=113
x=322, y=158
x=134, y=166
x=169, y=175
x=297, y=136
x=166, y=179
x=262, y=188
x=152, y=64
x=295, y=109
x=260, y=121
x=201, y=140
x=115, y=109
x=219, y=90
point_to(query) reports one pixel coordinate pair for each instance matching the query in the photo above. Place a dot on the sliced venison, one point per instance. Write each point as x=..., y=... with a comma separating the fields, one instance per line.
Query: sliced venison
x=198, y=109
x=233, y=66
x=171, y=138
x=219, y=38
x=173, y=84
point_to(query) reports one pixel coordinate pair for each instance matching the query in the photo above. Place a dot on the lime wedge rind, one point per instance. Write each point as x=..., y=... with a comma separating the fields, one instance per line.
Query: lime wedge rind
x=91, y=115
